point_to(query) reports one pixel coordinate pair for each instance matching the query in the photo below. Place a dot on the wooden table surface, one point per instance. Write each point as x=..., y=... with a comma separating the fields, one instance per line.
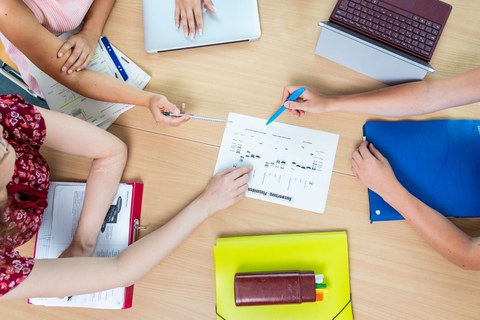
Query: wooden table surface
x=394, y=274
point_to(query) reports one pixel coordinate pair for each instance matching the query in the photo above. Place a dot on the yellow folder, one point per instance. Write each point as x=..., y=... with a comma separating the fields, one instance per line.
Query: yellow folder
x=323, y=252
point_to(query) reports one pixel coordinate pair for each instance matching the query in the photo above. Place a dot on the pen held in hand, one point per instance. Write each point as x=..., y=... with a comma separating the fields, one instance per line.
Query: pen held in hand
x=293, y=96
x=169, y=114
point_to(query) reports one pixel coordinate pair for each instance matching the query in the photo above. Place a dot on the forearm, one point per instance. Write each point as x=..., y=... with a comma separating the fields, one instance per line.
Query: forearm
x=144, y=254
x=101, y=87
x=433, y=227
x=102, y=184
x=413, y=98
x=97, y=16
x=80, y=275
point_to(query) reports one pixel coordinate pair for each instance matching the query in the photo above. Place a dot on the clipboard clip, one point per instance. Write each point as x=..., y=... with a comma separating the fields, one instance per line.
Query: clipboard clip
x=137, y=227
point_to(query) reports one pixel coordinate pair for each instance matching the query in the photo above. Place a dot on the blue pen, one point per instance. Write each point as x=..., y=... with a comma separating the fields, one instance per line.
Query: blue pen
x=114, y=57
x=294, y=96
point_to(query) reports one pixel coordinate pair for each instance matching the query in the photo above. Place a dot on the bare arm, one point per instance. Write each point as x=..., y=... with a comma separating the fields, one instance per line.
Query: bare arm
x=71, y=276
x=109, y=154
x=374, y=171
x=401, y=100
x=41, y=47
x=97, y=16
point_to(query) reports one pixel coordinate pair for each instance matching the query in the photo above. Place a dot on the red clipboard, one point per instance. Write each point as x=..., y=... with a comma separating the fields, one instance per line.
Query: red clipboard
x=134, y=228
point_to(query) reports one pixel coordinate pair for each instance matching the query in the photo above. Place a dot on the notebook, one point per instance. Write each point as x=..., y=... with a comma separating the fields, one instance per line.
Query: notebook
x=436, y=160
x=234, y=21
x=389, y=40
x=322, y=252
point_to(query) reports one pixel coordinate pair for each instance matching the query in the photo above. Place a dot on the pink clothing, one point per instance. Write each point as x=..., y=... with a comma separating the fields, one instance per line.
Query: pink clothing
x=57, y=16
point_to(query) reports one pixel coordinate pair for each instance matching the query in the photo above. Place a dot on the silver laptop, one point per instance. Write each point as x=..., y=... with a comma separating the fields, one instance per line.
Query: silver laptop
x=234, y=21
x=368, y=56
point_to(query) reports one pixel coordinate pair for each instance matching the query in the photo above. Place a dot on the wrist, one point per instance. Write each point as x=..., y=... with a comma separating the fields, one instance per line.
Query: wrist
x=333, y=104
x=393, y=193
x=82, y=247
x=202, y=208
x=91, y=29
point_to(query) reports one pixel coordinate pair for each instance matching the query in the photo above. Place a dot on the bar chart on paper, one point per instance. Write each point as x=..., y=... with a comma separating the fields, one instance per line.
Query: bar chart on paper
x=292, y=166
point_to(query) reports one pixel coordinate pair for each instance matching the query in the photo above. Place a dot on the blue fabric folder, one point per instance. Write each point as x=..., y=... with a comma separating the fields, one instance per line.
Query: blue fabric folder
x=438, y=161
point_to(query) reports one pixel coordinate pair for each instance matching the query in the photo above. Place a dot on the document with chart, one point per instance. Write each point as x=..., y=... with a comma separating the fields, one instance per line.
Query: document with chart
x=292, y=166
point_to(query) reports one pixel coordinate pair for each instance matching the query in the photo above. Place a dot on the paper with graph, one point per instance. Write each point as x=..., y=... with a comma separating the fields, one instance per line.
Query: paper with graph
x=292, y=165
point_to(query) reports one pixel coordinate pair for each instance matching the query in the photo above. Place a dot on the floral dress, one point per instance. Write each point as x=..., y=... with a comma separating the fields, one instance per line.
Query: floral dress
x=24, y=128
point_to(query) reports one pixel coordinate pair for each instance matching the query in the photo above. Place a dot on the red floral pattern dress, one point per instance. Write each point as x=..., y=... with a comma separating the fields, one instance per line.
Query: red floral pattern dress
x=24, y=128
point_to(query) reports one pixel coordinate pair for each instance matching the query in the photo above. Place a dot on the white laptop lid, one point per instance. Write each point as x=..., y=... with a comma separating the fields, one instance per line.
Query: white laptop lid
x=368, y=56
x=233, y=21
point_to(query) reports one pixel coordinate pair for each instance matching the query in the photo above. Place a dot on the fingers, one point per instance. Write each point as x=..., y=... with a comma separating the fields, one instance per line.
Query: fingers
x=303, y=106
x=190, y=14
x=67, y=45
x=355, y=167
x=287, y=91
x=356, y=156
x=363, y=150
x=209, y=5
x=79, y=57
x=197, y=11
x=376, y=153
x=296, y=113
x=242, y=179
x=74, y=56
x=183, y=18
x=191, y=24
x=235, y=173
x=81, y=62
x=160, y=104
x=240, y=193
x=177, y=17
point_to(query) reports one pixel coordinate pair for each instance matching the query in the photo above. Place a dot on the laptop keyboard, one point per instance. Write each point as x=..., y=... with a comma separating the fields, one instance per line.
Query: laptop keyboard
x=389, y=24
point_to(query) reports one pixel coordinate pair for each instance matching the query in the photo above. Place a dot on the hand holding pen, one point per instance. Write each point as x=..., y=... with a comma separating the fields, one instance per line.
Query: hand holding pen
x=291, y=97
x=308, y=101
x=159, y=106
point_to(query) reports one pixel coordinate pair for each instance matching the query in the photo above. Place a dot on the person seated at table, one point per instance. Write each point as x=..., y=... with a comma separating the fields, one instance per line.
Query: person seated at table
x=29, y=30
x=24, y=183
x=373, y=169
x=190, y=14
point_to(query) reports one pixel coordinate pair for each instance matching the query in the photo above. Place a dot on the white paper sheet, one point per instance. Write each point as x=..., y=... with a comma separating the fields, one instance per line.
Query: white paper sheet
x=102, y=114
x=292, y=165
x=58, y=228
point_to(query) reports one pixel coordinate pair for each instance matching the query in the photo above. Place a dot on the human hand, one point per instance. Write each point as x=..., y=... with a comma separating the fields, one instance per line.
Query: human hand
x=373, y=169
x=190, y=13
x=225, y=189
x=159, y=104
x=309, y=101
x=81, y=47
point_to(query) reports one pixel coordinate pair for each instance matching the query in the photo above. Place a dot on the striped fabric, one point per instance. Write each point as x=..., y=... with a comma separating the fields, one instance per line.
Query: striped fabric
x=57, y=16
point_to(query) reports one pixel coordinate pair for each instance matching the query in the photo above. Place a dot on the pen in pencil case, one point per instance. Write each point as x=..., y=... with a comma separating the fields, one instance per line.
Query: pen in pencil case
x=169, y=114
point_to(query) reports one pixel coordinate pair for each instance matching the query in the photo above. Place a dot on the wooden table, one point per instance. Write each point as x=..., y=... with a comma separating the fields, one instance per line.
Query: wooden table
x=394, y=273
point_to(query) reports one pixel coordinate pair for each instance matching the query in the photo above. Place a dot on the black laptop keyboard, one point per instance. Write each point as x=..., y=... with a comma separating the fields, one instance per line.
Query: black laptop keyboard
x=389, y=24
